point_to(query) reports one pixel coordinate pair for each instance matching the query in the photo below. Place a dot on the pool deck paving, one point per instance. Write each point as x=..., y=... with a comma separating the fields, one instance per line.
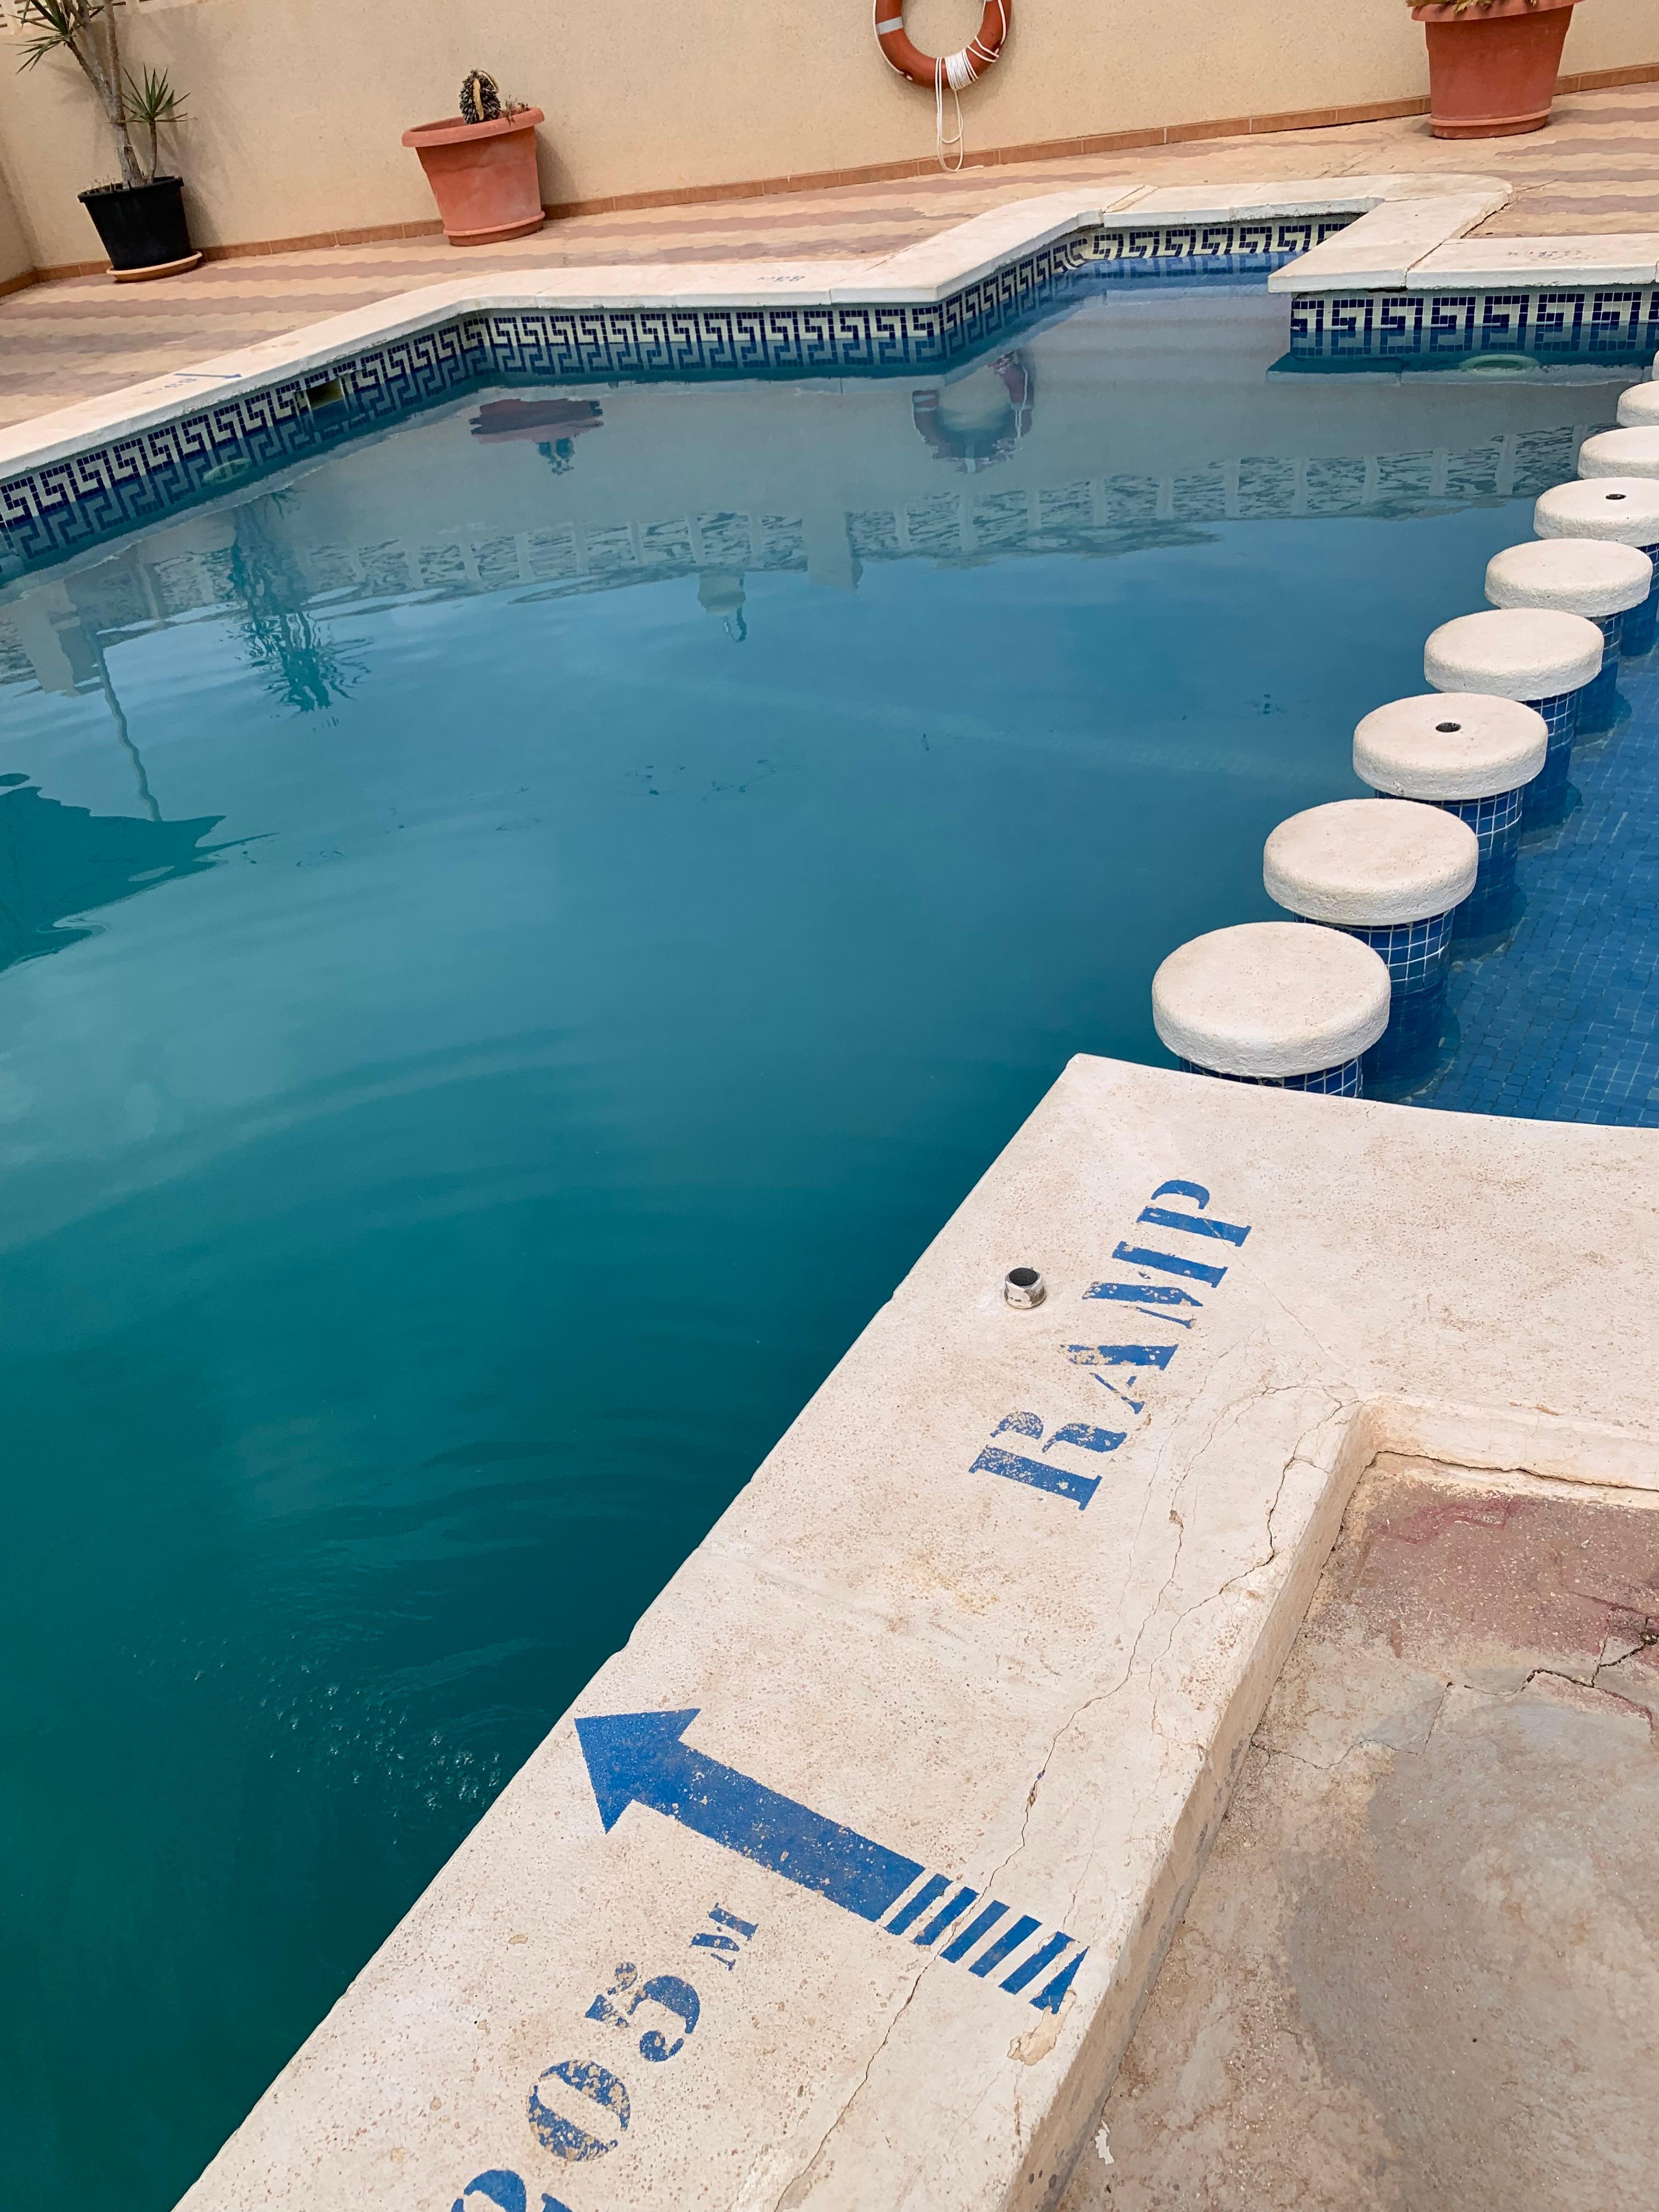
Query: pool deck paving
x=1421, y=1967
x=1594, y=172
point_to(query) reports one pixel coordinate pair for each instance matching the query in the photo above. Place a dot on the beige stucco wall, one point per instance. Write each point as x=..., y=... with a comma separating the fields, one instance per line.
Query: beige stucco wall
x=295, y=110
x=16, y=246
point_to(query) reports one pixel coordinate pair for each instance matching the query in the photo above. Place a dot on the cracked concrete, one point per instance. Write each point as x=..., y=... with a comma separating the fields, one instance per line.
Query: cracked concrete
x=1016, y=1694
x=1420, y=1971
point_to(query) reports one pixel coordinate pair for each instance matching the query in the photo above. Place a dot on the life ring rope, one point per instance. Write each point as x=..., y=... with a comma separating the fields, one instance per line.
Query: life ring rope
x=952, y=72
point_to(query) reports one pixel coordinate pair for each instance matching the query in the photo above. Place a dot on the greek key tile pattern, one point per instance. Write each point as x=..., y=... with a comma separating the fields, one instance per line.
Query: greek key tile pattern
x=1596, y=321
x=142, y=477
x=1213, y=248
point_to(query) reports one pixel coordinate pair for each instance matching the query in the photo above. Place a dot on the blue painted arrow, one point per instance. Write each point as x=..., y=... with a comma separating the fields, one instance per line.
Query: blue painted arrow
x=638, y=1759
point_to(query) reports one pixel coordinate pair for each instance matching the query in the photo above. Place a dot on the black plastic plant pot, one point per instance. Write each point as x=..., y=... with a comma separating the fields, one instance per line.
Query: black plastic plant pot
x=142, y=226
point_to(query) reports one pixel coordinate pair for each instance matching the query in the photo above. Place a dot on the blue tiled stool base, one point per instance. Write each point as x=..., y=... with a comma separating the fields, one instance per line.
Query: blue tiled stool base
x=1490, y=911
x=1496, y=822
x=1410, y=1046
x=1560, y=1020
x=1342, y=1082
x=1560, y=713
x=1598, y=698
x=1544, y=796
x=1415, y=952
x=1641, y=622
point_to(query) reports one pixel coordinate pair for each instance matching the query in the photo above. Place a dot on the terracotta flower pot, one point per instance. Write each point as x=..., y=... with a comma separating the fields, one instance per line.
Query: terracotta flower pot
x=1492, y=69
x=483, y=175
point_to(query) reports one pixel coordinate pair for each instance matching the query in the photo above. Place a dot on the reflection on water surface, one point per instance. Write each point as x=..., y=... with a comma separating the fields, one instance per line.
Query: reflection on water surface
x=554, y=906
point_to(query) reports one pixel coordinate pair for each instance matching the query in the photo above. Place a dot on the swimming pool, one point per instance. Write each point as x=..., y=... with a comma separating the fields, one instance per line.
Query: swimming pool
x=517, y=932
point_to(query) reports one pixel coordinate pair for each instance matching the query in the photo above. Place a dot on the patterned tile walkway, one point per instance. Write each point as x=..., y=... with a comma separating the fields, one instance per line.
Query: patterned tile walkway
x=1596, y=168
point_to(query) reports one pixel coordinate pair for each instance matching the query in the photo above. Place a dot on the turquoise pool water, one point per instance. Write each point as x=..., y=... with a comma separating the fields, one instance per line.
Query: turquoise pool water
x=512, y=939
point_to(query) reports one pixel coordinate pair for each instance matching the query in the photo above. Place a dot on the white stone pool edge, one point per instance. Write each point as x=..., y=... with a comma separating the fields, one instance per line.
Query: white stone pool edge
x=951, y=1616
x=1407, y=233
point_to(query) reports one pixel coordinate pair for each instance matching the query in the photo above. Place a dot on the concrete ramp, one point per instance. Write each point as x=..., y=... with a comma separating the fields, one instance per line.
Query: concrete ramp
x=1421, y=1967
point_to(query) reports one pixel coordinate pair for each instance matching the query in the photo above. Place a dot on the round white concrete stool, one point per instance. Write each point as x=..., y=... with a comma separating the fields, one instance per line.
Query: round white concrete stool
x=1514, y=653
x=1543, y=659
x=1273, y=1002
x=1623, y=510
x=1628, y=452
x=1466, y=752
x=1389, y=873
x=1639, y=405
x=1577, y=576
x=1571, y=576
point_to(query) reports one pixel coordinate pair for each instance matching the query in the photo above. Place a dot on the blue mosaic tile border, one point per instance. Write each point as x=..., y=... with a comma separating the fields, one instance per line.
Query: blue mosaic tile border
x=1264, y=238
x=554, y=343
x=1596, y=319
x=149, y=474
x=142, y=477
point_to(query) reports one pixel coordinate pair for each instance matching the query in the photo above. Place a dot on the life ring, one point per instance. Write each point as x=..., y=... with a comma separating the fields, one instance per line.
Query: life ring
x=957, y=70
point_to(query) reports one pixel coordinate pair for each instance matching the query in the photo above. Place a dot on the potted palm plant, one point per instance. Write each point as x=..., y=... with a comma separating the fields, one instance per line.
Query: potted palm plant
x=140, y=219
x=1492, y=63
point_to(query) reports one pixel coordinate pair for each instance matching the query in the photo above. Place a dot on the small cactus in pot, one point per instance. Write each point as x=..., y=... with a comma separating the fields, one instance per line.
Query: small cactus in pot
x=481, y=164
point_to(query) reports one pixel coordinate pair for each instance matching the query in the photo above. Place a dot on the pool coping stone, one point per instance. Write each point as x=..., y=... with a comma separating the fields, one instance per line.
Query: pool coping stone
x=1401, y=222
x=1630, y=258
x=1003, y=1606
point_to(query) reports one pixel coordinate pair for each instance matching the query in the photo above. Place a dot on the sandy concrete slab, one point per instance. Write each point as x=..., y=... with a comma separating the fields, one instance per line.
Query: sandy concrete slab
x=1627, y=257
x=1295, y=196
x=893, y=1798
x=1422, y=1965
x=1379, y=250
x=1344, y=194
x=971, y=250
x=161, y=399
